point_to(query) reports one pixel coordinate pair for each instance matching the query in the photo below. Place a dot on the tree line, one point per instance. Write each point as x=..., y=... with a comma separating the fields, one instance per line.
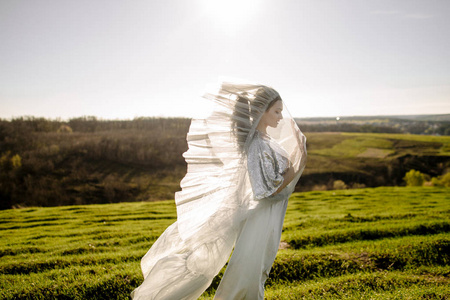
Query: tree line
x=88, y=160
x=393, y=126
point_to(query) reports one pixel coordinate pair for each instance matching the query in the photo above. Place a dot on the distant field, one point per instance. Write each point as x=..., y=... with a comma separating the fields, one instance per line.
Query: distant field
x=347, y=145
x=375, y=159
x=381, y=243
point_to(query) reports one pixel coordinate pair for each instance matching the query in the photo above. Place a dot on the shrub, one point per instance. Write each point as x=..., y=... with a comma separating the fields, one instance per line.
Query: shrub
x=65, y=128
x=16, y=161
x=8, y=162
x=414, y=178
x=357, y=185
x=443, y=180
x=319, y=187
x=5, y=162
x=339, y=185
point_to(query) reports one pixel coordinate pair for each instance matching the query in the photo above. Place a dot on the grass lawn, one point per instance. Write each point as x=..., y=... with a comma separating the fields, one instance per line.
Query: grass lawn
x=380, y=243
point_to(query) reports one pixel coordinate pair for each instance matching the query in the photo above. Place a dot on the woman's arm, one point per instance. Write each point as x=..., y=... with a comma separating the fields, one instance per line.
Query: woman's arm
x=288, y=177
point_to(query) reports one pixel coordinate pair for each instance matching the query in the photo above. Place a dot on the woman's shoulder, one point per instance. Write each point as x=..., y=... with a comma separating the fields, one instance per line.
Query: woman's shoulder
x=259, y=142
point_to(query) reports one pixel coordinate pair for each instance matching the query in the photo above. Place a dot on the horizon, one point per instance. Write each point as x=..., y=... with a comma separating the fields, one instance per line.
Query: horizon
x=59, y=119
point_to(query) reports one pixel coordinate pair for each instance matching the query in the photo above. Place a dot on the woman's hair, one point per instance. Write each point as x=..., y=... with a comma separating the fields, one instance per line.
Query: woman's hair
x=241, y=120
x=273, y=102
x=247, y=111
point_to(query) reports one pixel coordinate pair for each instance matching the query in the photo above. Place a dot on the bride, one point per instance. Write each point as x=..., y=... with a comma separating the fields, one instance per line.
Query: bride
x=244, y=161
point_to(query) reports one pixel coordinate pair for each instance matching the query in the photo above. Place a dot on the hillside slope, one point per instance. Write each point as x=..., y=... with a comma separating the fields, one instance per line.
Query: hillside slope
x=94, y=161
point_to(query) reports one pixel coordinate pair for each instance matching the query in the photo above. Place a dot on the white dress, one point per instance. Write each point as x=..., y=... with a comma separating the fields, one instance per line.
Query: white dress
x=258, y=242
x=226, y=202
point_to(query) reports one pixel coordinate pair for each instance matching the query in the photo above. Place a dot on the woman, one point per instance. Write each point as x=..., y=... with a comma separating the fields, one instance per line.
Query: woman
x=243, y=163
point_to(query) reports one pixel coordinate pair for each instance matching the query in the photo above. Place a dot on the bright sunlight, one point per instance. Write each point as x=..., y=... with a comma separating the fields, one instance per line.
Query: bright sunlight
x=230, y=15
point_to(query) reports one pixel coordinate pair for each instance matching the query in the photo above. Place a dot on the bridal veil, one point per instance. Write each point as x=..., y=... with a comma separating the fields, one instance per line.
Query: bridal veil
x=216, y=193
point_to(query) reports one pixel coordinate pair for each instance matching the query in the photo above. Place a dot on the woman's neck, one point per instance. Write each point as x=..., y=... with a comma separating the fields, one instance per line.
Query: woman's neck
x=263, y=134
x=262, y=128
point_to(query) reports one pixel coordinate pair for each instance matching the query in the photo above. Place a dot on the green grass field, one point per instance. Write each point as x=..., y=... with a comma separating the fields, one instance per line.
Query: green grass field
x=361, y=153
x=380, y=243
x=355, y=144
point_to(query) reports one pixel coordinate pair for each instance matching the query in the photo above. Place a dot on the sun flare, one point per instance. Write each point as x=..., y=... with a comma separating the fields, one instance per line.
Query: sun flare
x=230, y=15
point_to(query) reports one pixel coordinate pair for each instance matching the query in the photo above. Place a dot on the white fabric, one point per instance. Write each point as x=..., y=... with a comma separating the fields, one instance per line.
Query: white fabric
x=217, y=203
x=257, y=244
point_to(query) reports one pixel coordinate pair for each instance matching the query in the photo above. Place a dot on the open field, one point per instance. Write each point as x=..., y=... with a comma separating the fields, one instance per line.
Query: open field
x=372, y=159
x=380, y=243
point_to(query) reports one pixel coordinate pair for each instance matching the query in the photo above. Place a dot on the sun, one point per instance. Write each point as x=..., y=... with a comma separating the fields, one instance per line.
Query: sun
x=230, y=16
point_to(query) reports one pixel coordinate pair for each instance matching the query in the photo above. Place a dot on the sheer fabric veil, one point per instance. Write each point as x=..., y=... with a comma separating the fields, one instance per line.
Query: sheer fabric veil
x=216, y=193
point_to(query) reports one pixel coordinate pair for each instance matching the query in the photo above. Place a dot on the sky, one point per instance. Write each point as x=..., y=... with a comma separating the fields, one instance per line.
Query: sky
x=124, y=59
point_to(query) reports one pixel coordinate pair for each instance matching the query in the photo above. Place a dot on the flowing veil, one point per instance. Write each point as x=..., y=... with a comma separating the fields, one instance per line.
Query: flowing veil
x=216, y=192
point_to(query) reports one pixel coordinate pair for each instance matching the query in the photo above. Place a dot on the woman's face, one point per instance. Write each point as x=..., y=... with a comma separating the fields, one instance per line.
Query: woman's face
x=273, y=115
